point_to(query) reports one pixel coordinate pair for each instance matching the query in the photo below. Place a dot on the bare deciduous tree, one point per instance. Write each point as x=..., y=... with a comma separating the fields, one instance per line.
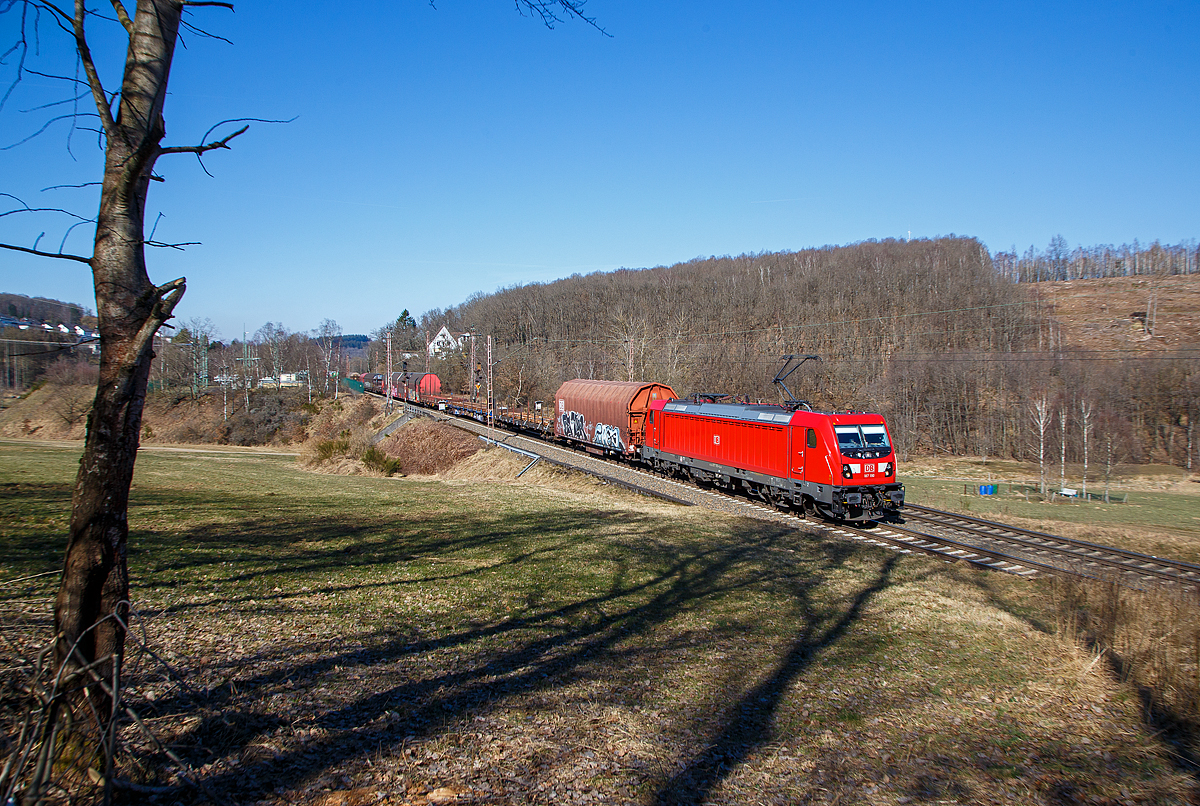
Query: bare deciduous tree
x=93, y=596
x=130, y=307
x=1041, y=415
x=1087, y=412
x=329, y=339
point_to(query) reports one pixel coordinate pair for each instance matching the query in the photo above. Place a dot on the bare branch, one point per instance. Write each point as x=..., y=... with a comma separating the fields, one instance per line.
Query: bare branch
x=70, y=187
x=60, y=13
x=548, y=11
x=200, y=150
x=199, y=3
x=71, y=100
x=71, y=79
x=99, y=96
x=40, y=253
x=167, y=296
x=123, y=15
x=25, y=208
x=222, y=143
x=63, y=243
x=149, y=241
x=45, y=126
x=200, y=32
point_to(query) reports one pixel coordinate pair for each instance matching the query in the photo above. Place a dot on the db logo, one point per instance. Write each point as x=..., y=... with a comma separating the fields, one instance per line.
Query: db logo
x=716, y=439
x=868, y=468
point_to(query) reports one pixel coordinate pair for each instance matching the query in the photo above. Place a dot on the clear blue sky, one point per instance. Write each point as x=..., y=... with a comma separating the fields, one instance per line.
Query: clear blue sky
x=440, y=152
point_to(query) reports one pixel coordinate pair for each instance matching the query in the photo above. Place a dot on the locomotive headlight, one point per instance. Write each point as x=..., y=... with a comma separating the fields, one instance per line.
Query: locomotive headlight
x=846, y=473
x=887, y=469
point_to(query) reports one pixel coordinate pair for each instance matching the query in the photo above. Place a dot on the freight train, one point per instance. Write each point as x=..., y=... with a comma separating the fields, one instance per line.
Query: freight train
x=840, y=465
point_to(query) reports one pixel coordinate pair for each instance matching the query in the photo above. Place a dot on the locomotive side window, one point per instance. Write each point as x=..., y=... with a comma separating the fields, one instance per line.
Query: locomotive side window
x=651, y=416
x=812, y=438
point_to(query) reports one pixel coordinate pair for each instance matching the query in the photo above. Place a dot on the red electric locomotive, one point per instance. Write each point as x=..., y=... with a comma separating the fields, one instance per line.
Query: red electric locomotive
x=839, y=464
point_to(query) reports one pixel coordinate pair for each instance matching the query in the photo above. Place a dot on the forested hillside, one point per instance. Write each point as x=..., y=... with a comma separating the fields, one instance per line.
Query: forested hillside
x=959, y=355
x=40, y=309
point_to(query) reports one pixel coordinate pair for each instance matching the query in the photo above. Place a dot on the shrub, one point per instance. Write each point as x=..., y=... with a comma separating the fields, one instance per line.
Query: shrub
x=376, y=460
x=326, y=449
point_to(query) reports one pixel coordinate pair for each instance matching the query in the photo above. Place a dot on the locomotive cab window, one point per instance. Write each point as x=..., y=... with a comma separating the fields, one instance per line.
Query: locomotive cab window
x=812, y=438
x=651, y=416
x=875, y=436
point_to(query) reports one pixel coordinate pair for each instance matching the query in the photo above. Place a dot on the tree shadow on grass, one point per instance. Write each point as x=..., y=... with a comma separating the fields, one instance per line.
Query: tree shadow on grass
x=407, y=691
x=342, y=559
x=747, y=723
x=33, y=520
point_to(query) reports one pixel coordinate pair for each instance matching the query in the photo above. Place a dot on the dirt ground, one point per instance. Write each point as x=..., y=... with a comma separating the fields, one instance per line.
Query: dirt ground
x=1127, y=313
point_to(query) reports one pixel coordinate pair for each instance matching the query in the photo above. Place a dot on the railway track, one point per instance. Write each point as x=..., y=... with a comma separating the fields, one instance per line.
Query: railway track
x=950, y=535
x=1065, y=554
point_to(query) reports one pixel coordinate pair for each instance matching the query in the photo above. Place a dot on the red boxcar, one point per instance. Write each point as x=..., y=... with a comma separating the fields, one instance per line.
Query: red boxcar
x=415, y=384
x=606, y=415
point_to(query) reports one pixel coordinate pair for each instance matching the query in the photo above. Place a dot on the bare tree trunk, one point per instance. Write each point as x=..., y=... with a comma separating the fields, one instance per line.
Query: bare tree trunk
x=1085, y=417
x=1108, y=466
x=1062, y=436
x=1041, y=420
x=95, y=581
x=1191, y=426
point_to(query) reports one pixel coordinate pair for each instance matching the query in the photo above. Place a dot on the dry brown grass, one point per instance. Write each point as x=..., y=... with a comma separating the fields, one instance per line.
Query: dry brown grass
x=340, y=438
x=1151, y=641
x=49, y=412
x=429, y=448
x=1095, y=314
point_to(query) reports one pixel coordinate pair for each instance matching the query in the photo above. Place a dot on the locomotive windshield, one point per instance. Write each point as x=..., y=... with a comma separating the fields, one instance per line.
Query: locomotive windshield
x=863, y=441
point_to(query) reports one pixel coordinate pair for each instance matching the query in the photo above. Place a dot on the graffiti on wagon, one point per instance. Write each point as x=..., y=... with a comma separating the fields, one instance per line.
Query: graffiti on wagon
x=574, y=426
x=608, y=436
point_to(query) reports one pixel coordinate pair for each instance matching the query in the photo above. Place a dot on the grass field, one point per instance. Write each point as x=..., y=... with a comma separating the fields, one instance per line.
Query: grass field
x=356, y=640
x=1154, y=510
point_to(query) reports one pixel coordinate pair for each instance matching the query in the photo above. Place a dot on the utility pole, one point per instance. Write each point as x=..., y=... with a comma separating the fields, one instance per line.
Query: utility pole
x=474, y=372
x=247, y=359
x=388, y=378
x=491, y=407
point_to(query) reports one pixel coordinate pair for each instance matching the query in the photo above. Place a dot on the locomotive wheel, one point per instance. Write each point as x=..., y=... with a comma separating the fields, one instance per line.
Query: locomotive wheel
x=807, y=508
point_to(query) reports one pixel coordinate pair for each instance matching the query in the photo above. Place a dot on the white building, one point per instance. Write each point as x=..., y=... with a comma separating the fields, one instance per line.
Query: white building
x=444, y=342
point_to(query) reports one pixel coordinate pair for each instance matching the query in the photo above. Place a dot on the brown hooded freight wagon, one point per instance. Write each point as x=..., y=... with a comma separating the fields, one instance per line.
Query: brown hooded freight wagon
x=609, y=416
